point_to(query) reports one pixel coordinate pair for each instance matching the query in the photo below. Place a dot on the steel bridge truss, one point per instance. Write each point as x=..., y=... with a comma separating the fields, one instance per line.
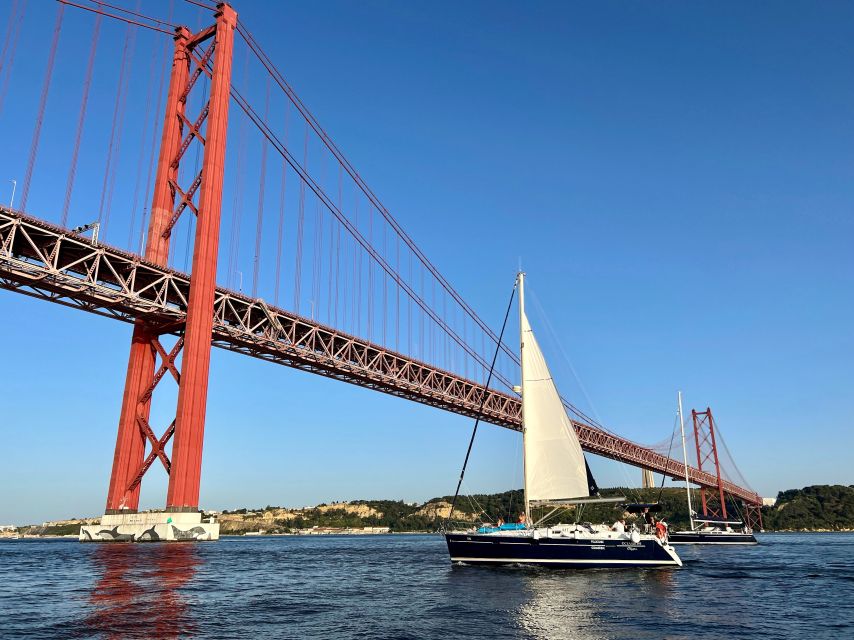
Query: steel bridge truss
x=51, y=263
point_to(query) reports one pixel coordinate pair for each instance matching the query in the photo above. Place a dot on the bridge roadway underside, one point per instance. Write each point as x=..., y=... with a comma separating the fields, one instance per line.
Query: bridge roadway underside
x=48, y=262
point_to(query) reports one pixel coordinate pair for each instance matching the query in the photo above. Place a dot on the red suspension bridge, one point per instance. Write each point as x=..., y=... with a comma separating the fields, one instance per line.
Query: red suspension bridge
x=337, y=286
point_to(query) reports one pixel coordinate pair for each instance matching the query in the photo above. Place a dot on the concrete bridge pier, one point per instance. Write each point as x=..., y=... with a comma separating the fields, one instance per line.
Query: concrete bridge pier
x=153, y=526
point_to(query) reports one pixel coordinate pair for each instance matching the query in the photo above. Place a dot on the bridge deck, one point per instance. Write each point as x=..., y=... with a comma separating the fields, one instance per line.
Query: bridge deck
x=49, y=262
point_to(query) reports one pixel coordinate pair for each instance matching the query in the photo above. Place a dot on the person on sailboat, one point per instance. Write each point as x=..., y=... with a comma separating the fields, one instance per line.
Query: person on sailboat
x=661, y=529
x=523, y=520
x=649, y=519
x=619, y=526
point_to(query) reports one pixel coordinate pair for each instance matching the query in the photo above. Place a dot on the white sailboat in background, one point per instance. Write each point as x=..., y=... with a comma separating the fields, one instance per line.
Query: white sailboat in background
x=555, y=475
x=706, y=529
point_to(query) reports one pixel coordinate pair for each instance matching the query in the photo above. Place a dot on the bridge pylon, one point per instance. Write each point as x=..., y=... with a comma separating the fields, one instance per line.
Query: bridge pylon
x=207, y=52
x=714, y=503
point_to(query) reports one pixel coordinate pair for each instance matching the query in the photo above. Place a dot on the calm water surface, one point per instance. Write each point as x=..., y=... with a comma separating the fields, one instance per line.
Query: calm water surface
x=791, y=586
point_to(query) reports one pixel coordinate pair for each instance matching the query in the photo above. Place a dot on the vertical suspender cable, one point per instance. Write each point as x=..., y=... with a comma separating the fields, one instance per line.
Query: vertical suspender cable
x=87, y=82
x=148, y=181
x=237, y=209
x=280, y=231
x=260, y=222
x=9, y=54
x=338, y=243
x=343, y=221
x=354, y=312
x=331, y=268
x=300, y=224
x=317, y=257
x=370, y=274
x=326, y=140
x=385, y=289
x=34, y=147
x=9, y=26
x=421, y=320
x=141, y=154
x=103, y=209
x=316, y=263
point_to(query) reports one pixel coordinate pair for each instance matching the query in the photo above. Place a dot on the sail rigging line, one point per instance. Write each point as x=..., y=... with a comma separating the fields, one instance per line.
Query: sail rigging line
x=667, y=466
x=474, y=504
x=482, y=401
x=516, y=459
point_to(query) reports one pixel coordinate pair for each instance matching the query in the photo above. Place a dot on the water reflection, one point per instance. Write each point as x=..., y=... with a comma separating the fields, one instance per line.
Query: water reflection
x=138, y=591
x=585, y=604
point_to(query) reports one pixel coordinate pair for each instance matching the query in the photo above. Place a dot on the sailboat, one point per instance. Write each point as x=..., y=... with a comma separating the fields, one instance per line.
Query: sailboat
x=556, y=475
x=707, y=529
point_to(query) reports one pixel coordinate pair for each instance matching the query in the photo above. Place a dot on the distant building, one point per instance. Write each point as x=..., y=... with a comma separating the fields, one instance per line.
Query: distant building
x=7, y=527
x=769, y=502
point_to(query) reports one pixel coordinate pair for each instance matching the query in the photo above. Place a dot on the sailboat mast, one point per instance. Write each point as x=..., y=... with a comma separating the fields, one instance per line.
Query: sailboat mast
x=685, y=459
x=521, y=280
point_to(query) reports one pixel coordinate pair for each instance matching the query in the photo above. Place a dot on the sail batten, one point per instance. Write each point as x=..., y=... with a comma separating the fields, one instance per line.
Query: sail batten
x=555, y=468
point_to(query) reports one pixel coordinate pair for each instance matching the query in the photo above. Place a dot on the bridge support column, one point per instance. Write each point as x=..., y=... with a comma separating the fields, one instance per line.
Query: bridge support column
x=130, y=463
x=131, y=439
x=183, y=494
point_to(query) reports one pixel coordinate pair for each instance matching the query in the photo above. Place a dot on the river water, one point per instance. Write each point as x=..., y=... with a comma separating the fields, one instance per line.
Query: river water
x=403, y=586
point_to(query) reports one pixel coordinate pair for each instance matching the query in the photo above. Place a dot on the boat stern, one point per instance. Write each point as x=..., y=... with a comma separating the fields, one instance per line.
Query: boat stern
x=671, y=552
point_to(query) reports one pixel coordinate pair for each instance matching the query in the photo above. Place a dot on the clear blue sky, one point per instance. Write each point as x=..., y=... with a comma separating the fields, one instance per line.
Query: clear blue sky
x=676, y=177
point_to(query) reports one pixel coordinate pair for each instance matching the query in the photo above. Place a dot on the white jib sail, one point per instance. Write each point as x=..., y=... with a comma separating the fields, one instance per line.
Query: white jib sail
x=554, y=462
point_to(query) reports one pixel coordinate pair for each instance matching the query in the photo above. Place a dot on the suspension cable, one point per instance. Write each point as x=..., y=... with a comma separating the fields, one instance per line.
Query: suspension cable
x=303, y=174
x=333, y=148
x=122, y=18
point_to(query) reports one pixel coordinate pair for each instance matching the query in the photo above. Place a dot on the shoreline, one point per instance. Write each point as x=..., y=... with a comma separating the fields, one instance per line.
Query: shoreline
x=340, y=534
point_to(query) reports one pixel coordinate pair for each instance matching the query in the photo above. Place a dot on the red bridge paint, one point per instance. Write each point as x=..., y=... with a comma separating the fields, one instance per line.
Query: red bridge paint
x=184, y=468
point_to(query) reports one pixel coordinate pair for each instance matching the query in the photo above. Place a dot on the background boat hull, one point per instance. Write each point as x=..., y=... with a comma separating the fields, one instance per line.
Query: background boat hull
x=699, y=537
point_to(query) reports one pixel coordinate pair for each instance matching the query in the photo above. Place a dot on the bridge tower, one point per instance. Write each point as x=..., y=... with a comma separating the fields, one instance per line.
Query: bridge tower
x=207, y=52
x=714, y=503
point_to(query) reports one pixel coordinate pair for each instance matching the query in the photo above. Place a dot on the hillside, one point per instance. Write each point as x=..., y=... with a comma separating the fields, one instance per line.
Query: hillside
x=819, y=507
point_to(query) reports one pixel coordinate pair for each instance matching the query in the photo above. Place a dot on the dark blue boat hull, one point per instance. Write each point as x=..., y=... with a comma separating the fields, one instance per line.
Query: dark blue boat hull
x=701, y=537
x=556, y=552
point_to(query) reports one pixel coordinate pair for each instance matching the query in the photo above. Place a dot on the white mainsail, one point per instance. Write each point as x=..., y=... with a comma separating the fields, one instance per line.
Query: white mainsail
x=554, y=462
